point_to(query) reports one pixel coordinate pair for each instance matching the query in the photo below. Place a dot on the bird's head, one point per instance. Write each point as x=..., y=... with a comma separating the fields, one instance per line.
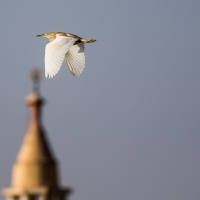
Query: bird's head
x=51, y=35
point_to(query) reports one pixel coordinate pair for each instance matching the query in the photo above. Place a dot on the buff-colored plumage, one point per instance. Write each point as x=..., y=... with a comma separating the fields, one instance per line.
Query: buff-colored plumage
x=64, y=46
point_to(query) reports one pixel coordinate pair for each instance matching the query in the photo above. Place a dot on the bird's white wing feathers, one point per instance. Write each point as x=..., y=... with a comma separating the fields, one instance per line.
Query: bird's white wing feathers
x=55, y=54
x=75, y=59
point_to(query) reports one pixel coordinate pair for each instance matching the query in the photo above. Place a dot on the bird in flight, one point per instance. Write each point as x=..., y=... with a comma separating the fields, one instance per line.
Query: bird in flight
x=64, y=46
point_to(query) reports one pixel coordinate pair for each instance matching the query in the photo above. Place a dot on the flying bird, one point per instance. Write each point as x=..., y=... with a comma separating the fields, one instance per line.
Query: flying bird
x=64, y=46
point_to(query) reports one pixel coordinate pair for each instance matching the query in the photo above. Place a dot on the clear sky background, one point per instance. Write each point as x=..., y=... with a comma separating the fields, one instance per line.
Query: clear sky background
x=129, y=126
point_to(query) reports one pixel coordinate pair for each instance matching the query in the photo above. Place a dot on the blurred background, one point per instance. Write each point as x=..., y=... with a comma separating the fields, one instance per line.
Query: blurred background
x=129, y=126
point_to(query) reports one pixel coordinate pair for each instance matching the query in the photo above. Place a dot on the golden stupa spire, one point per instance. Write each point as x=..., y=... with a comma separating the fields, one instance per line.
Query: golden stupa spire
x=35, y=169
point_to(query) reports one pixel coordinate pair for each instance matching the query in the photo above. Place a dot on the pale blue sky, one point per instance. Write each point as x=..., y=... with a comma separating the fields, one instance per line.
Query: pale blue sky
x=129, y=126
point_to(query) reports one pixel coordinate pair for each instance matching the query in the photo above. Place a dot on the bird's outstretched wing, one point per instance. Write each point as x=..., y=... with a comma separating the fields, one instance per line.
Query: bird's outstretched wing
x=75, y=59
x=55, y=54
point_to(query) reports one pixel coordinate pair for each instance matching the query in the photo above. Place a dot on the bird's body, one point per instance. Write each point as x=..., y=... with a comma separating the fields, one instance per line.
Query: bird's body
x=64, y=46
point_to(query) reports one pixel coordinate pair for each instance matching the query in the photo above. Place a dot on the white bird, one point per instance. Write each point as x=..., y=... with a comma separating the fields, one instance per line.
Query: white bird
x=64, y=46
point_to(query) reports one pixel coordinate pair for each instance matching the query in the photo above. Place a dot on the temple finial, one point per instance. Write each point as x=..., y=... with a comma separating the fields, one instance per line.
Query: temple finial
x=36, y=77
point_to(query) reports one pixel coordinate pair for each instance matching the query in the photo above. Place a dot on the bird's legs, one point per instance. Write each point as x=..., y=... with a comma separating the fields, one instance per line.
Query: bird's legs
x=88, y=41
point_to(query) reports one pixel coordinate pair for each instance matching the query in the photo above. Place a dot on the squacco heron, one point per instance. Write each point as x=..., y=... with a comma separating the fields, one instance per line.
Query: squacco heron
x=64, y=46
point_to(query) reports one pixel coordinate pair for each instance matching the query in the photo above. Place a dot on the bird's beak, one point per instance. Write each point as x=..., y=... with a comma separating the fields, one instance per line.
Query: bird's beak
x=42, y=35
